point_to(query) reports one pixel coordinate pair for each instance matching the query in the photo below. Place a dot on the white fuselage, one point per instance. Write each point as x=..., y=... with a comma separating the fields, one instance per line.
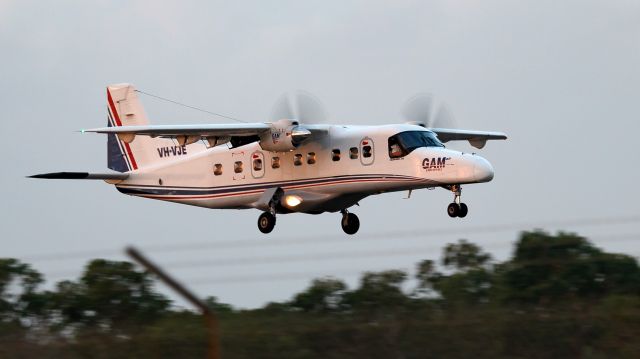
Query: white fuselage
x=221, y=177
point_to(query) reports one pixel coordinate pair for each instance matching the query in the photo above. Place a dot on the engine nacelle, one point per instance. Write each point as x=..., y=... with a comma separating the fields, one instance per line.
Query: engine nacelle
x=285, y=135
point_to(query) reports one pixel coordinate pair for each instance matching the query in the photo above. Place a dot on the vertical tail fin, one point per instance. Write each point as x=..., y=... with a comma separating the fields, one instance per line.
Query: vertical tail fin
x=125, y=109
x=119, y=154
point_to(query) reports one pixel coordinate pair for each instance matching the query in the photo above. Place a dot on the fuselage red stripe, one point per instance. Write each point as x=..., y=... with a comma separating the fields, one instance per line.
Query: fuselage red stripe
x=245, y=193
x=116, y=117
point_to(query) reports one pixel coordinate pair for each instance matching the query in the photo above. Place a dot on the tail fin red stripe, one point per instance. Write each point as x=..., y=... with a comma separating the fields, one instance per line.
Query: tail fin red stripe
x=116, y=117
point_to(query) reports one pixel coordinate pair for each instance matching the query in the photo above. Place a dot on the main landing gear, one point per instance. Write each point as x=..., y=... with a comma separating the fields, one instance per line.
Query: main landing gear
x=266, y=222
x=350, y=222
x=456, y=208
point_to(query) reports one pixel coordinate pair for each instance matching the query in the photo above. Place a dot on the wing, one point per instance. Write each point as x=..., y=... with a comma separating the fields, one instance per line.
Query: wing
x=186, y=134
x=215, y=134
x=476, y=139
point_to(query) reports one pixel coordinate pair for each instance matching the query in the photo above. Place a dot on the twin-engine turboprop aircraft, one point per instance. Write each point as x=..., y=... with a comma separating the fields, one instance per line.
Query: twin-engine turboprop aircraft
x=282, y=166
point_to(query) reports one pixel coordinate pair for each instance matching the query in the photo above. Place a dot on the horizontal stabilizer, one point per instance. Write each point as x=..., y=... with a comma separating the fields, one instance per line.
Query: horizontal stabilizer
x=83, y=176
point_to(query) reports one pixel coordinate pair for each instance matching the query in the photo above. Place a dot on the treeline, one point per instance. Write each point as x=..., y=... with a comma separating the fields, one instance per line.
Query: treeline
x=557, y=296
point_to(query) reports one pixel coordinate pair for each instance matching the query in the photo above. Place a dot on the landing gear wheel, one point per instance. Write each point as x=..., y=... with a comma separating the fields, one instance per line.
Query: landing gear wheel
x=453, y=209
x=463, y=210
x=266, y=222
x=350, y=223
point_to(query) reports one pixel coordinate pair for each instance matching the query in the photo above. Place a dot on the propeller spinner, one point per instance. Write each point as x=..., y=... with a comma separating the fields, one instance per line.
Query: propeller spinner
x=290, y=112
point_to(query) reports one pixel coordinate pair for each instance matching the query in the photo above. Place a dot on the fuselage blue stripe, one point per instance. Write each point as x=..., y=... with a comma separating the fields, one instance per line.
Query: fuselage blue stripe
x=273, y=183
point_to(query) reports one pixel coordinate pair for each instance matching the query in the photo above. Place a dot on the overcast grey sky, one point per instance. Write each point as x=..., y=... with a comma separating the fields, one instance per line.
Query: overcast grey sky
x=561, y=78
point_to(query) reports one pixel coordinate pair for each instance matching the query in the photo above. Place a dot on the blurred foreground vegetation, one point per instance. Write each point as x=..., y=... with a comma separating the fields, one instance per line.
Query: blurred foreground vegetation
x=557, y=296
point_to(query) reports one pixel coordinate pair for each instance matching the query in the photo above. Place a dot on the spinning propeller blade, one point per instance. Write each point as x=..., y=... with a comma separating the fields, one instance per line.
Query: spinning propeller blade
x=420, y=108
x=299, y=105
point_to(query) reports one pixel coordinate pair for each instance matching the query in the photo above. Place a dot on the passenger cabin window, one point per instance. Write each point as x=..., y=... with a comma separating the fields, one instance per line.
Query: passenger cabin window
x=217, y=169
x=297, y=160
x=311, y=158
x=275, y=162
x=366, y=151
x=335, y=155
x=353, y=153
x=257, y=164
x=404, y=143
x=237, y=167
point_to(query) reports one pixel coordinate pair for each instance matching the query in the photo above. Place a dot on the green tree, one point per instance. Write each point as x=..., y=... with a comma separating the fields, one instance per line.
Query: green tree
x=471, y=287
x=18, y=285
x=547, y=268
x=427, y=277
x=21, y=305
x=471, y=278
x=111, y=311
x=109, y=293
x=464, y=255
x=378, y=290
x=324, y=295
x=217, y=307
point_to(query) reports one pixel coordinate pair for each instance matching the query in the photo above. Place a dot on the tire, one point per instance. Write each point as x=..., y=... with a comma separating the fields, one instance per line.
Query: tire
x=453, y=209
x=463, y=210
x=350, y=223
x=266, y=222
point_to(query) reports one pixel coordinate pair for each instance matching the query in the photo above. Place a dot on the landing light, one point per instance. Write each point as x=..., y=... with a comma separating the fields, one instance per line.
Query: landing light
x=292, y=200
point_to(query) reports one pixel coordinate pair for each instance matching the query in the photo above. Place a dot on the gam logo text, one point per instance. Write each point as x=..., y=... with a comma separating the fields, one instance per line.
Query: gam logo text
x=275, y=137
x=435, y=164
x=276, y=134
x=172, y=151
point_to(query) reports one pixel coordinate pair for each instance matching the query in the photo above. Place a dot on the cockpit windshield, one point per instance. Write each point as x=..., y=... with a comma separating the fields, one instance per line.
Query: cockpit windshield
x=403, y=143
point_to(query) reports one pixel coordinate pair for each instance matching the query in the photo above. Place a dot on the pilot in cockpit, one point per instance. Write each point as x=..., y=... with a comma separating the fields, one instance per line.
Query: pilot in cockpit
x=395, y=150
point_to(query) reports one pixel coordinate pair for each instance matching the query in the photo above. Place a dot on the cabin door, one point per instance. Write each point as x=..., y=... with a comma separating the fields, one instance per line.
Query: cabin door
x=257, y=164
x=239, y=165
x=367, y=154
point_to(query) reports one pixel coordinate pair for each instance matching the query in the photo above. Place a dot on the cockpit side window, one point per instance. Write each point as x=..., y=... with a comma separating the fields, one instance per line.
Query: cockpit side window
x=403, y=143
x=395, y=150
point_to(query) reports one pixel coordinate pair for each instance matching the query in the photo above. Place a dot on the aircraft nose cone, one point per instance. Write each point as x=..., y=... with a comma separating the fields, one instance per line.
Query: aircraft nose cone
x=482, y=170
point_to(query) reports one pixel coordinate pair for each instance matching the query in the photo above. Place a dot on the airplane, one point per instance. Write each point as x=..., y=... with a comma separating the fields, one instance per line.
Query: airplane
x=283, y=166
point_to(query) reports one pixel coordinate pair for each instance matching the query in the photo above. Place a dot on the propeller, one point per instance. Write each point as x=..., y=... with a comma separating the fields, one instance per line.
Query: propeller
x=421, y=110
x=299, y=105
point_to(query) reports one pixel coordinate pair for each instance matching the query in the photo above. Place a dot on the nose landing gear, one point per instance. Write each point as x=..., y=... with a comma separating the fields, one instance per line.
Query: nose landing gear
x=456, y=208
x=350, y=222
